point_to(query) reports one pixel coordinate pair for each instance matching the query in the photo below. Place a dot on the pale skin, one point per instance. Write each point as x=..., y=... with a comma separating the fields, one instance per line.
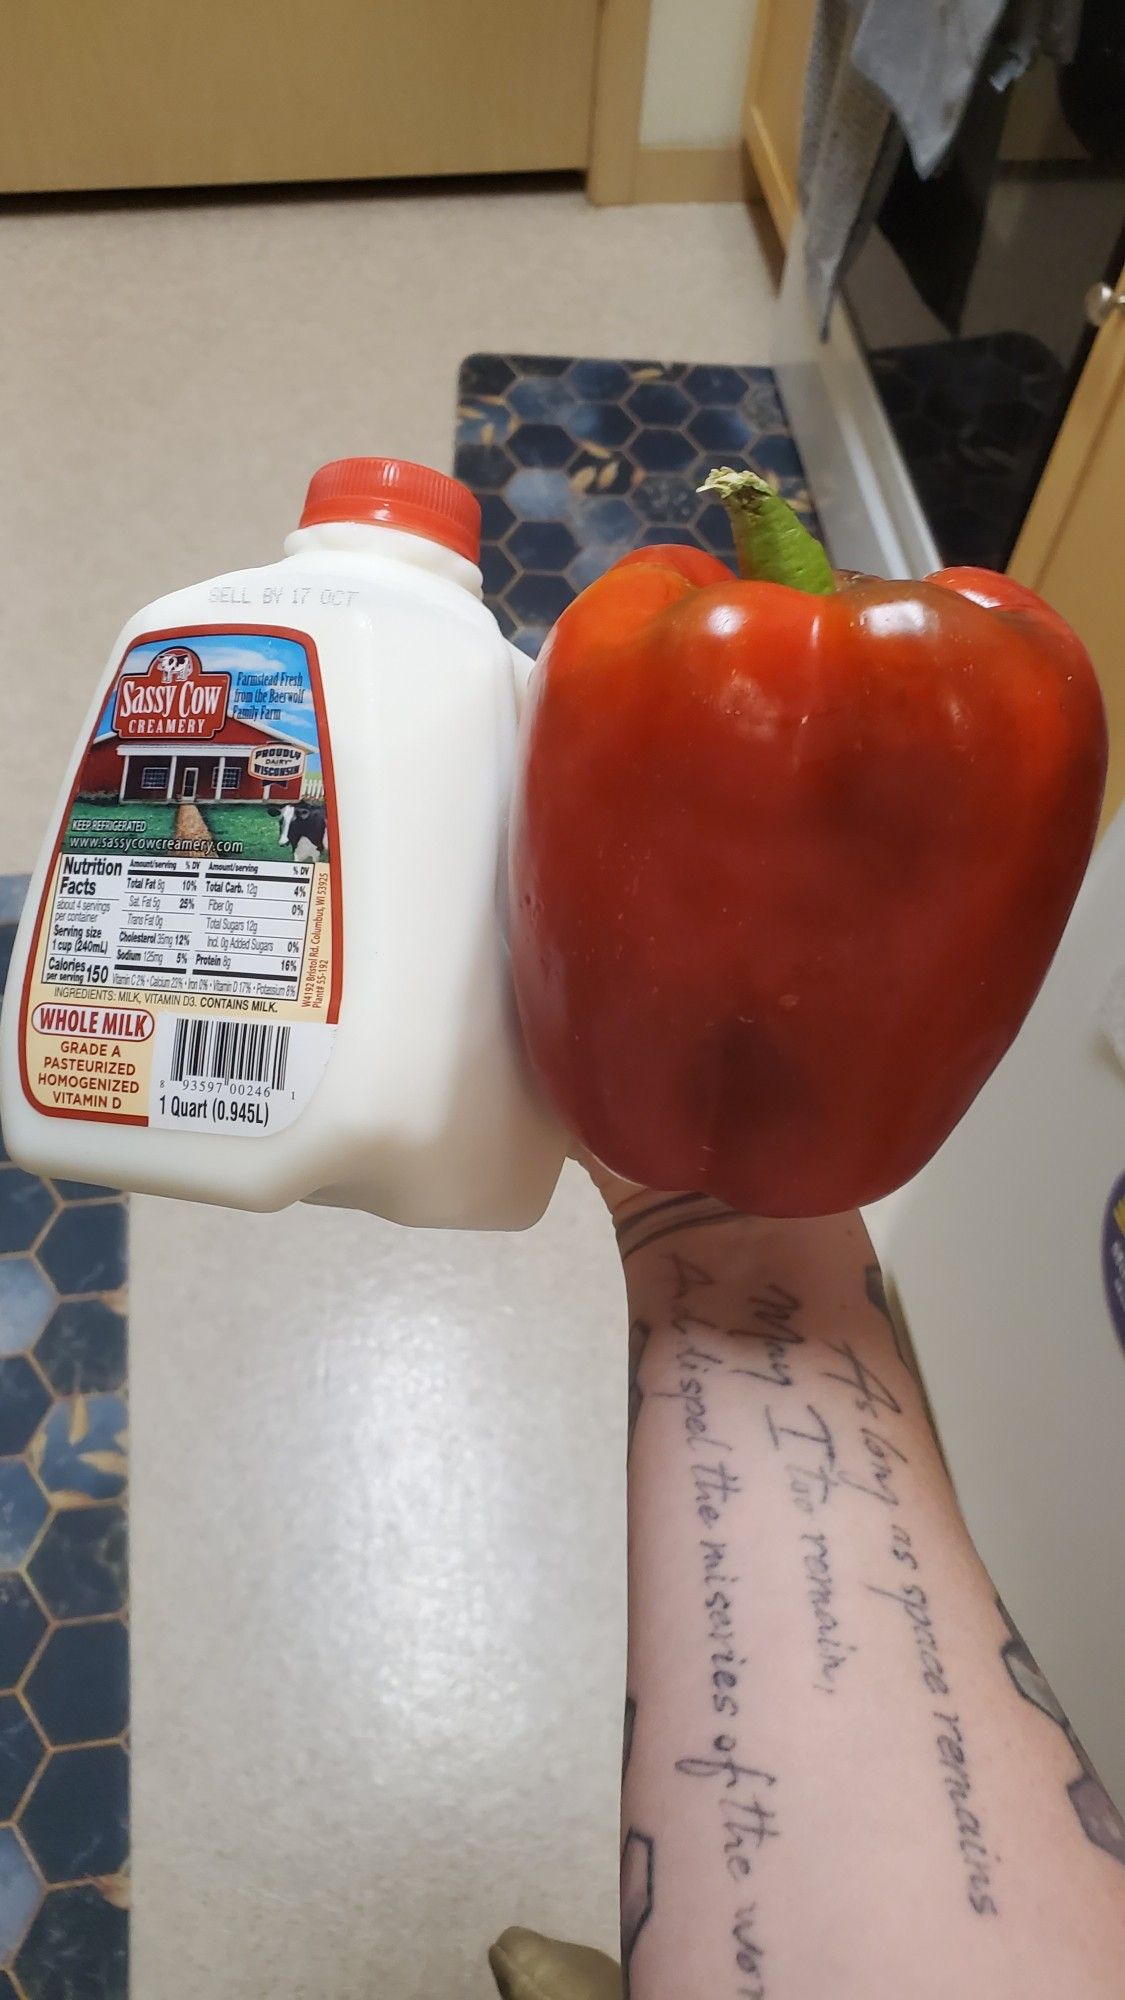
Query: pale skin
x=843, y=1774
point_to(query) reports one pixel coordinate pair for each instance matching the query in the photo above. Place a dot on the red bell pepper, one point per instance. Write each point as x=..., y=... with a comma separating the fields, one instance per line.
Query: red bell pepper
x=790, y=858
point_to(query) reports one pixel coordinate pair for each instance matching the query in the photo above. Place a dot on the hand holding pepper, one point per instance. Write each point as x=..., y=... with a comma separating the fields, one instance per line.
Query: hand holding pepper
x=791, y=856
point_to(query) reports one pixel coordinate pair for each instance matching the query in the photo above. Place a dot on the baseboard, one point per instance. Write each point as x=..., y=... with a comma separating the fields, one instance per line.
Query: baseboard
x=694, y=173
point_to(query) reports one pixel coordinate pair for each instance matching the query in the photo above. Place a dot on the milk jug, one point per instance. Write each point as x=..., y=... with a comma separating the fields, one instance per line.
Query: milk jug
x=262, y=957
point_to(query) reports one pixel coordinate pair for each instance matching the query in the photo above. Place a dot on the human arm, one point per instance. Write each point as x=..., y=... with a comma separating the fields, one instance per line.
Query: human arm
x=842, y=1774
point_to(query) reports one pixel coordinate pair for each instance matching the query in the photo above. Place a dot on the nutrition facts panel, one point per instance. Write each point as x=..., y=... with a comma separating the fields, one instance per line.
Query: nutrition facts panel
x=181, y=925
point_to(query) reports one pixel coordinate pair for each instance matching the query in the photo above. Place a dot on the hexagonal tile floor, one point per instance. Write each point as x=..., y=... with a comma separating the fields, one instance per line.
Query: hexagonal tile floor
x=64, y=1677
x=576, y=460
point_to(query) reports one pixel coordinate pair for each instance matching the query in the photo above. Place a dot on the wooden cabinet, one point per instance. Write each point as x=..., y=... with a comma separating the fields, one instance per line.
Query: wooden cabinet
x=155, y=93
x=771, y=118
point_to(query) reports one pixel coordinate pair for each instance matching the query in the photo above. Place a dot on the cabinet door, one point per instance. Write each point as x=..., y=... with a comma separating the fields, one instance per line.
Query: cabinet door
x=771, y=120
x=1070, y=545
x=156, y=93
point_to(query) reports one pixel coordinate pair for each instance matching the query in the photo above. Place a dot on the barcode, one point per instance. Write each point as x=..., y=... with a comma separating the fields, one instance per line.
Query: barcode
x=231, y=1052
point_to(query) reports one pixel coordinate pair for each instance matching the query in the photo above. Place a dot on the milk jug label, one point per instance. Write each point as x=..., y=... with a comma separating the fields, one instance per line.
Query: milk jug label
x=188, y=956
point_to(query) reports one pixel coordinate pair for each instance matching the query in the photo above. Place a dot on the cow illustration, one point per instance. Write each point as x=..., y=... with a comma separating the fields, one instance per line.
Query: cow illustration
x=304, y=828
x=175, y=665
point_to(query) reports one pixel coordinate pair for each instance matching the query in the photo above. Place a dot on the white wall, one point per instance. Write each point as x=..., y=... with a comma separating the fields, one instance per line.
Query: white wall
x=696, y=72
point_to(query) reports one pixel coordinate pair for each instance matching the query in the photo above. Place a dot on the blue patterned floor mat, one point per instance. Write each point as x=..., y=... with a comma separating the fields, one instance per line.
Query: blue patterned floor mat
x=64, y=1677
x=575, y=461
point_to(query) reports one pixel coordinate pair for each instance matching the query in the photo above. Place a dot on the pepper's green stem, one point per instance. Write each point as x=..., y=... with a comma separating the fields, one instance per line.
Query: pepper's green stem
x=772, y=544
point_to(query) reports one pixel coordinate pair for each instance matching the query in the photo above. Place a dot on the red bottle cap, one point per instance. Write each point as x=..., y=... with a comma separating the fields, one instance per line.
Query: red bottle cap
x=393, y=493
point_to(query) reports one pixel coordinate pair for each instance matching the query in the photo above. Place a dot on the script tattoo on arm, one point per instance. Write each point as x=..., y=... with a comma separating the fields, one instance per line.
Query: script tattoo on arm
x=823, y=1475
x=1096, y=1813
x=795, y=1443
x=744, y=1816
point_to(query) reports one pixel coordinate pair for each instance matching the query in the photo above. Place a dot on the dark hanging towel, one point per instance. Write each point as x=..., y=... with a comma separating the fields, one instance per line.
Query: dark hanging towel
x=936, y=225
x=885, y=72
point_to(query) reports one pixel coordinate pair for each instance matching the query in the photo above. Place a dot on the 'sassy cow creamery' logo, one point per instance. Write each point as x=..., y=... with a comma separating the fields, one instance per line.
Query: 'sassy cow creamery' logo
x=171, y=697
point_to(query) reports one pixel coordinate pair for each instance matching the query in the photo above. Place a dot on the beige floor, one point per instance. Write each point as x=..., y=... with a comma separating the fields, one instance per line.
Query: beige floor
x=377, y=1493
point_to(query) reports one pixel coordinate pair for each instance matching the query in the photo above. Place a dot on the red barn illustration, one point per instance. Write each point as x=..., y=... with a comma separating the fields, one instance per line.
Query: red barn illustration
x=172, y=737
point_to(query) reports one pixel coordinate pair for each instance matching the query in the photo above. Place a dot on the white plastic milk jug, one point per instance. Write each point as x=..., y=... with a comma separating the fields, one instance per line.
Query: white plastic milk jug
x=262, y=957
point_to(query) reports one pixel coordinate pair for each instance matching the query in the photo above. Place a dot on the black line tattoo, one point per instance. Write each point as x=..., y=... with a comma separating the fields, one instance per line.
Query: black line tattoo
x=638, y=1866
x=877, y=1292
x=627, y=1734
x=638, y=1870
x=640, y=1215
x=640, y=1333
x=1096, y=1813
x=688, y=1277
x=877, y=1296
x=685, y=1222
